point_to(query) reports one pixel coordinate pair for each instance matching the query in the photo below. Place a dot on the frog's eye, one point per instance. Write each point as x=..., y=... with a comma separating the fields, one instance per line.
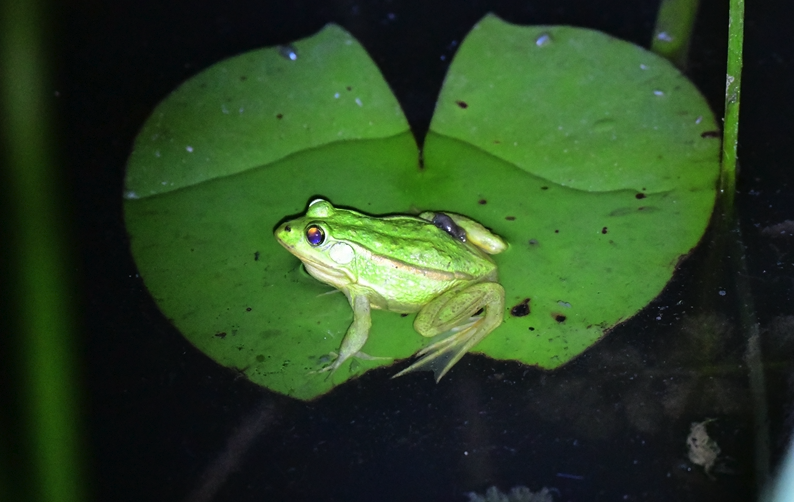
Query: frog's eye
x=315, y=235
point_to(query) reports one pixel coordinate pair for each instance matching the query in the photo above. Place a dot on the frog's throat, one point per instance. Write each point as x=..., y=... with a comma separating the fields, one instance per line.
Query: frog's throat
x=337, y=277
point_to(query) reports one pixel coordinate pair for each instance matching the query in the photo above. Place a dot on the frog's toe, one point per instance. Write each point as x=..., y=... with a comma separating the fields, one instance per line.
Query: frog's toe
x=331, y=362
x=336, y=361
x=330, y=369
x=441, y=356
x=367, y=357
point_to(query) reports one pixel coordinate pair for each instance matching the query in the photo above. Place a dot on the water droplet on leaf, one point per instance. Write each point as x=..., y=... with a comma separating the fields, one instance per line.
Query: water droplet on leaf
x=288, y=52
x=543, y=39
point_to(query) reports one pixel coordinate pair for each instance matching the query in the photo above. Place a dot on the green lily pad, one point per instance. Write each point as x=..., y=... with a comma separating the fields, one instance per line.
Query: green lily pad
x=587, y=154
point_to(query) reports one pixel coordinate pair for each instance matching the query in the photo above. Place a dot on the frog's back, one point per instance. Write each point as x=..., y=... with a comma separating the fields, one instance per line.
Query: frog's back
x=416, y=244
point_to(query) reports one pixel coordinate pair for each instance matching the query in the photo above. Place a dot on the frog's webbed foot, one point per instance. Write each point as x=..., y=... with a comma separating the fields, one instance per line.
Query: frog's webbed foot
x=443, y=354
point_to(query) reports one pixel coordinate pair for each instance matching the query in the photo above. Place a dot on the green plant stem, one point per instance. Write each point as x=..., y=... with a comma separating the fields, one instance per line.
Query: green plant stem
x=46, y=459
x=733, y=81
x=727, y=190
x=673, y=31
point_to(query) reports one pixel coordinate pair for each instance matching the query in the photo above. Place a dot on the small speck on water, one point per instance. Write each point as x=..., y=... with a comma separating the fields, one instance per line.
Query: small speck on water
x=189, y=149
x=657, y=92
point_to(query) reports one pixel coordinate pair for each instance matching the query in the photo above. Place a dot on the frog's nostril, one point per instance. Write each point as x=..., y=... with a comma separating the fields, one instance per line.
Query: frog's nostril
x=287, y=228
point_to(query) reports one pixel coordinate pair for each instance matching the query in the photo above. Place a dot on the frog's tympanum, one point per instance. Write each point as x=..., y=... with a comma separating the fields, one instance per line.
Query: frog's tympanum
x=436, y=264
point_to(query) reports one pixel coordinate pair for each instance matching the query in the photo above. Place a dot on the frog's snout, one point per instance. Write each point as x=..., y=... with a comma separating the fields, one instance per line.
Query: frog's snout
x=283, y=231
x=283, y=235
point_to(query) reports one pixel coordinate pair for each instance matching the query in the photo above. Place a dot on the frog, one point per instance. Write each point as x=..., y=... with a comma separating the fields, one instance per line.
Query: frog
x=435, y=264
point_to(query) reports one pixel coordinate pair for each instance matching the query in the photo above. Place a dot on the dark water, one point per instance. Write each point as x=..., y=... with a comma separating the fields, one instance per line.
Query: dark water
x=166, y=423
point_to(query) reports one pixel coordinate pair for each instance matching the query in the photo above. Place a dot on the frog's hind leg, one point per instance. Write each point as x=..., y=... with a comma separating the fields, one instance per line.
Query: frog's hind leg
x=466, y=229
x=442, y=355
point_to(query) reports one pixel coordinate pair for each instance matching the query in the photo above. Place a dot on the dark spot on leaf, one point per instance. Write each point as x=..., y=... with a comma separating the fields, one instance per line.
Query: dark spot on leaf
x=533, y=242
x=531, y=328
x=279, y=116
x=639, y=196
x=349, y=88
x=482, y=201
x=640, y=208
x=710, y=134
x=520, y=309
x=496, y=141
x=256, y=256
x=243, y=78
x=558, y=317
x=403, y=315
x=556, y=231
x=510, y=218
x=462, y=104
x=248, y=309
x=544, y=188
x=222, y=334
x=260, y=358
x=604, y=230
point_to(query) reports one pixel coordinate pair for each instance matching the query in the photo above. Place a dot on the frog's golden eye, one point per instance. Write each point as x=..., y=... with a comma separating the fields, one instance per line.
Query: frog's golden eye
x=315, y=235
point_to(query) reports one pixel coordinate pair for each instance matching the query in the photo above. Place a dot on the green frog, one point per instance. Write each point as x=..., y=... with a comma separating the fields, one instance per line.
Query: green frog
x=436, y=264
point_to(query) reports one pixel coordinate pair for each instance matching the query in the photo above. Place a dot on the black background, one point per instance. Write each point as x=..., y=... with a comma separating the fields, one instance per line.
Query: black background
x=159, y=413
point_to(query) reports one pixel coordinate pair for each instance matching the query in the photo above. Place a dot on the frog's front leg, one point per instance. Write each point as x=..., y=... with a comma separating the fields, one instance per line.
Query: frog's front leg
x=453, y=310
x=356, y=335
